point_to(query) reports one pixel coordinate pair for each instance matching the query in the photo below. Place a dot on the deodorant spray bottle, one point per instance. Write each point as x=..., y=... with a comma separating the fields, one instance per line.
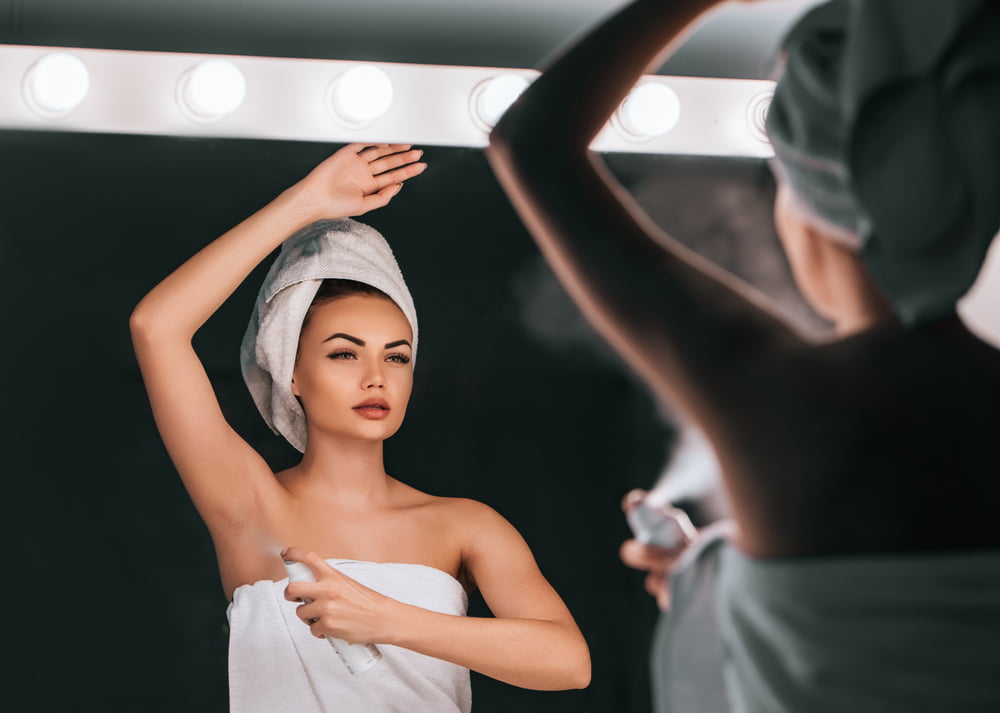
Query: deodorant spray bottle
x=357, y=657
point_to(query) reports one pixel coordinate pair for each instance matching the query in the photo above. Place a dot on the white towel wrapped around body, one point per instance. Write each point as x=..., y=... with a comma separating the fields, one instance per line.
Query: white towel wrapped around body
x=327, y=249
x=276, y=665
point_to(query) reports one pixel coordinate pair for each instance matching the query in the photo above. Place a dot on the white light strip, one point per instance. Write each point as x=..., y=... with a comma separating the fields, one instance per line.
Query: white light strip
x=303, y=100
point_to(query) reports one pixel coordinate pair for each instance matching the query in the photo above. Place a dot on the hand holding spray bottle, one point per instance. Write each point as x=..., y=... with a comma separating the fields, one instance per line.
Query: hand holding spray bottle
x=692, y=470
x=356, y=657
x=660, y=525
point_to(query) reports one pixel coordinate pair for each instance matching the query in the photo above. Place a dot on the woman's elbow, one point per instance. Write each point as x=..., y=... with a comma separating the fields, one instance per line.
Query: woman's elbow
x=575, y=666
x=581, y=671
x=145, y=325
x=579, y=677
x=139, y=321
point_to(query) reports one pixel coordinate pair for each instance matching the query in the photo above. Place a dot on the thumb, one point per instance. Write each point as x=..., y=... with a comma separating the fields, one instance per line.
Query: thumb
x=316, y=564
x=380, y=198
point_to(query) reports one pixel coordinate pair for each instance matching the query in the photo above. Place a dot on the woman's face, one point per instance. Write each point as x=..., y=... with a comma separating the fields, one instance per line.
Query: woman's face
x=353, y=372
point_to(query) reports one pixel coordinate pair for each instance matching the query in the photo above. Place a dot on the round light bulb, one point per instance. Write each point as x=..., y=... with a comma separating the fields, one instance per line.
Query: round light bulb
x=757, y=115
x=492, y=97
x=56, y=85
x=651, y=109
x=360, y=95
x=211, y=90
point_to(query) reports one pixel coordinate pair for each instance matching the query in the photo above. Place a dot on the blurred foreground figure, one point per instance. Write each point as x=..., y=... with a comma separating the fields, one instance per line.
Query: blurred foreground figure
x=863, y=569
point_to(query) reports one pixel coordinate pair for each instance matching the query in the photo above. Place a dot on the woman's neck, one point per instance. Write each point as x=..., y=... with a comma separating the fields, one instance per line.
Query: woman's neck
x=857, y=302
x=350, y=471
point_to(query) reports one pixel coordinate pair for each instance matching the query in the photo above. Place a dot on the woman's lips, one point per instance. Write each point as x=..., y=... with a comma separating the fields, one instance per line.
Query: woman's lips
x=374, y=410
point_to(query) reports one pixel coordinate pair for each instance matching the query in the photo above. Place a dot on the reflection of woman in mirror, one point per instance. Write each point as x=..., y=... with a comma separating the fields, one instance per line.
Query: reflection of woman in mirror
x=329, y=360
x=865, y=570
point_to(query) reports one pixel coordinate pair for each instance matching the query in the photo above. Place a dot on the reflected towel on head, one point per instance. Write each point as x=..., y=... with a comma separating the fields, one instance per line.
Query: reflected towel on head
x=884, y=125
x=327, y=249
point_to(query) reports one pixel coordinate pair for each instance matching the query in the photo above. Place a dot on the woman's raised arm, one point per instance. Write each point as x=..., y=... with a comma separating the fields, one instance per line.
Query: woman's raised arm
x=221, y=472
x=674, y=317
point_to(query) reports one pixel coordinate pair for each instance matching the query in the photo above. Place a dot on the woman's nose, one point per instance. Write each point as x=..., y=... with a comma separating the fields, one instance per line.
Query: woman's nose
x=374, y=380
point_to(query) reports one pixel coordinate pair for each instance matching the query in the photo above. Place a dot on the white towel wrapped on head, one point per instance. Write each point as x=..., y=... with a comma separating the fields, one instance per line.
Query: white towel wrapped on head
x=327, y=249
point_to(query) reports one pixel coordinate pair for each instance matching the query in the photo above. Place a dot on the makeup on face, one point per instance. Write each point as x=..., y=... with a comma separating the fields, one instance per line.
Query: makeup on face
x=374, y=409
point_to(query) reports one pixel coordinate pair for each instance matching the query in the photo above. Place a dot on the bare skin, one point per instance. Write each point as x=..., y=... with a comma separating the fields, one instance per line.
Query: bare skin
x=339, y=502
x=878, y=441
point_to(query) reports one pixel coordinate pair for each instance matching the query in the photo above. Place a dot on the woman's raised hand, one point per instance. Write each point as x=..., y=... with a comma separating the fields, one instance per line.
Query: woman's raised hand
x=358, y=178
x=338, y=606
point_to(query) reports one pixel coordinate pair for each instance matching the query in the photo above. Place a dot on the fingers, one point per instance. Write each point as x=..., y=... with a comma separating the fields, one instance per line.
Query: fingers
x=648, y=557
x=657, y=561
x=394, y=160
x=633, y=498
x=373, y=152
x=309, y=612
x=303, y=591
x=380, y=198
x=400, y=174
x=312, y=616
x=658, y=585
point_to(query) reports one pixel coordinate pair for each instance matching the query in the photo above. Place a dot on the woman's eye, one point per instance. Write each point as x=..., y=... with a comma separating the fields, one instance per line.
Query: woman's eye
x=398, y=359
x=342, y=355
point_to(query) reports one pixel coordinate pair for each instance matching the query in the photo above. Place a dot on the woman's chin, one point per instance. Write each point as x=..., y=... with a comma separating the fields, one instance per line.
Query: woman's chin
x=374, y=432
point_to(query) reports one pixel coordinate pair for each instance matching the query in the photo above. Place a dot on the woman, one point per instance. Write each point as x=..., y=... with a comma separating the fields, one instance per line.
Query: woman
x=864, y=572
x=337, y=385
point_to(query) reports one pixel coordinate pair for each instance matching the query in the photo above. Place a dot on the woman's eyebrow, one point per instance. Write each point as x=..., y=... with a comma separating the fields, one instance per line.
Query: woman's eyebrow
x=348, y=337
x=361, y=342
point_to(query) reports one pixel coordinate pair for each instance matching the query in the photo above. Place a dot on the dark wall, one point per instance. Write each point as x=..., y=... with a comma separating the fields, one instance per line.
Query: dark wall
x=516, y=403
x=737, y=40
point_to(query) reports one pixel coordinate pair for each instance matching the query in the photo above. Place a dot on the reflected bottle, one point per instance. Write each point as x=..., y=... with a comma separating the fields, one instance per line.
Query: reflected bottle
x=356, y=657
x=661, y=525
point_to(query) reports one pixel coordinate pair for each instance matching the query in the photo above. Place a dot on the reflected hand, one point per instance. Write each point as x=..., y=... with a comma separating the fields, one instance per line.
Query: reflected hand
x=359, y=178
x=656, y=561
x=337, y=605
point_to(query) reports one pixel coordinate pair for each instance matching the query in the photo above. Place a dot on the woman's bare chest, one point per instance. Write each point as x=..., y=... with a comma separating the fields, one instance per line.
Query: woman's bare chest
x=405, y=535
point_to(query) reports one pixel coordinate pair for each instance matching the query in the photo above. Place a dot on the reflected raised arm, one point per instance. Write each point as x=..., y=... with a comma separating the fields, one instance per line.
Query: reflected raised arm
x=676, y=319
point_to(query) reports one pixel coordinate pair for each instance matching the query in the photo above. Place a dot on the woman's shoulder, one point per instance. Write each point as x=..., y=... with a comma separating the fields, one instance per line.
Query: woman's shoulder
x=464, y=515
x=456, y=508
x=442, y=505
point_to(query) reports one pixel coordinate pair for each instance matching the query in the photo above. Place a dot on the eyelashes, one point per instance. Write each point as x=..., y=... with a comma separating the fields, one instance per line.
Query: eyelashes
x=348, y=355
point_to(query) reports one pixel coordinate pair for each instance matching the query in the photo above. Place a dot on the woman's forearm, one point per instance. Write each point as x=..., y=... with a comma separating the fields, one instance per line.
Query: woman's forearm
x=531, y=653
x=575, y=96
x=185, y=299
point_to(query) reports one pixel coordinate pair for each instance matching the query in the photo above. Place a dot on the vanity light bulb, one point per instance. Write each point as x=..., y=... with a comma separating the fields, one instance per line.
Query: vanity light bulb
x=757, y=115
x=56, y=85
x=360, y=95
x=213, y=89
x=651, y=109
x=492, y=97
